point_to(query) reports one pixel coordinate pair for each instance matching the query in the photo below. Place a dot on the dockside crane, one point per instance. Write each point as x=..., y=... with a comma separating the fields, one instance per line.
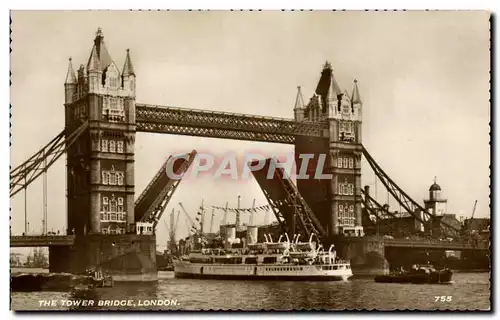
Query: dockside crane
x=468, y=225
x=191, y=223
x=473, y=210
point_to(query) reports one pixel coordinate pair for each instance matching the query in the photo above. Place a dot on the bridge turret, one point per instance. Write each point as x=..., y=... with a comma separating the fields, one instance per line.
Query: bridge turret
x=128, y=75
x=94, y=72
x=69, y=84
x=299, y=109
x=356, y=97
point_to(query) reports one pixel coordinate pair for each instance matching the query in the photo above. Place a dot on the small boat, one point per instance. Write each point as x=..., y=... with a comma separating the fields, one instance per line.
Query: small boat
x=99, y=280
x=418, y=274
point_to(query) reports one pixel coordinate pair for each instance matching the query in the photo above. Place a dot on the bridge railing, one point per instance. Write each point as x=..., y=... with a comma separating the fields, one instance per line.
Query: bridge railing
x=41, y=240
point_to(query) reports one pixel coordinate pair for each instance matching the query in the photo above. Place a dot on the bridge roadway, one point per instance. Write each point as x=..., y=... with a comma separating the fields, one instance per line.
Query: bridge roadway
x=65, y=240
x=42, y=241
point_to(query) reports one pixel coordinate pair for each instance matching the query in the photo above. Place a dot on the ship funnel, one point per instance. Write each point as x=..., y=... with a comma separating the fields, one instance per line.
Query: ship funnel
x=252, y=234
x=230, y=234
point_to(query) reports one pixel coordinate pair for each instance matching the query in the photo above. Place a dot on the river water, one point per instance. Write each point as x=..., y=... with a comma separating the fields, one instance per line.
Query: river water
x=469, y=291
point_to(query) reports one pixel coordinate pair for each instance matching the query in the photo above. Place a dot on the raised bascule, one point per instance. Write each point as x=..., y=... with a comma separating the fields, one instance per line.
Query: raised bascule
x=111, y=229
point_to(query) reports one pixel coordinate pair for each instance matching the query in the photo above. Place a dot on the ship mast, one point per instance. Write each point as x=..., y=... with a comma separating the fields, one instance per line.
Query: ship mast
x=252, y=214
x=202, y=220
x=237, y=222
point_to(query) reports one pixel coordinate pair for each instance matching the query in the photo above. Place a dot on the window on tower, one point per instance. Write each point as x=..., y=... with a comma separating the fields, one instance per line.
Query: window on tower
x=119, y=177
x=112, y=146
x=346, y=189
x=351, y=163
x=120, y=205
x=105, y=177
x=112, y=179
x=104, y=145
x=346, y=131
x=119, y=146
x=346, y=215
x=105, y=205
x=116, y=110
x=113, y=82
x=112, y=206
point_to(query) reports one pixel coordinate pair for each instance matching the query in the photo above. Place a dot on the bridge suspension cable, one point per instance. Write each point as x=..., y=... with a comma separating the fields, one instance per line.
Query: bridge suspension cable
x=24, y=174
x=410, y=205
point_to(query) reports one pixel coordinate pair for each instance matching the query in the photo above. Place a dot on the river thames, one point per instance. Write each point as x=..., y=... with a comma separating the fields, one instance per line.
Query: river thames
x=469, y=291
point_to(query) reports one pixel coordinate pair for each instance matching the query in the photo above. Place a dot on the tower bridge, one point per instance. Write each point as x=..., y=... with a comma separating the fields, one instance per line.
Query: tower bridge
x=112, y=229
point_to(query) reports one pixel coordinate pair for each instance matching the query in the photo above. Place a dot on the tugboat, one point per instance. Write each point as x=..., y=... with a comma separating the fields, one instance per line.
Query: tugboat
x=418, y=274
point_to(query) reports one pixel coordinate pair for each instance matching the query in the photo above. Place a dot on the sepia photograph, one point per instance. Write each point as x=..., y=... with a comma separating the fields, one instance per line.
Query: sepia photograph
x=250, y=160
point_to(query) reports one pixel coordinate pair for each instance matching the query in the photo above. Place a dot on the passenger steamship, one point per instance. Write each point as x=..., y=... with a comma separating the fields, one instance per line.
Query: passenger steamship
x=282, y=260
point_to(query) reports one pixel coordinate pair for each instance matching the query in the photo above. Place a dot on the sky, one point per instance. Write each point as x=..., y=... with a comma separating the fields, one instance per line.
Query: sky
x=423, y=78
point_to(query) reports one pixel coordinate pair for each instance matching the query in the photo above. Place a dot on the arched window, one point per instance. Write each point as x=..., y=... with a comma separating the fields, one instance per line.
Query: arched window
x=104, y=145
x=120, y=205
x=112, y=146
x=119, y=176
x=105, y=177
x=119, y=146
x=105, y=204
x=346, y=165
x=339, y=160
x=351, y=163
x=112, y=205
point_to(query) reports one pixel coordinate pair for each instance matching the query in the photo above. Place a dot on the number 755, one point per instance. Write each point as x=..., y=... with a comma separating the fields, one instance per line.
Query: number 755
x=442, y=298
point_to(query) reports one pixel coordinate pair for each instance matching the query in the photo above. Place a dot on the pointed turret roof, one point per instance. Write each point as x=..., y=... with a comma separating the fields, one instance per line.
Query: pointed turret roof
x=99, y=53
x=327, y=85
x=356, y=97
x=70, y=75
x=128, y=68
x=93, y=63
x=299, y=101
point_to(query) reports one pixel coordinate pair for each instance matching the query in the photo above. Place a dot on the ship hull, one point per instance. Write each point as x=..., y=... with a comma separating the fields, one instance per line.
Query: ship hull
x=262, y=272
x=261, y=277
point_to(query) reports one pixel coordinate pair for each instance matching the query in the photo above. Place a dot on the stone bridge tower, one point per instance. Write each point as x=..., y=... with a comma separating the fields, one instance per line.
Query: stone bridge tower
x=100, y=172
x=337, y=201
x=100, y=164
